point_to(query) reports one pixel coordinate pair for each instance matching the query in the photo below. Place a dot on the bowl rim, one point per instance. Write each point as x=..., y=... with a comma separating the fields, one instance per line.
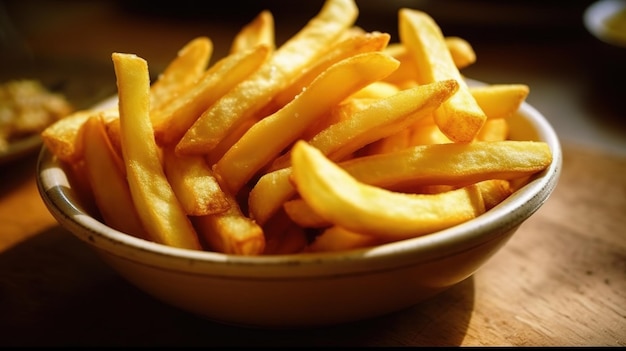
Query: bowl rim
x=57, y=194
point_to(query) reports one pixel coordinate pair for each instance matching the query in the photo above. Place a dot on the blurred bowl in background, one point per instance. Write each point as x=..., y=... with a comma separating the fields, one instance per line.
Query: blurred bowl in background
x=606, y=20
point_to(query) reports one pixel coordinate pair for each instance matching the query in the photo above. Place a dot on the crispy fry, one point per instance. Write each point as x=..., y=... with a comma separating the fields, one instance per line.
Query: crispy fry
x=188, y=65
x=260, y=31
x=63, y=137
x=269, y=193
x=406, y=75
x=459, y=118
x=500, y=100
x=106, y=173
x=494, y=130
x=301, y=213
x=451, y=164
x=338, y=82
x=494, y=191
x=336, y=238
x=251, y=95
x=362, y=208
x=461, y=51
x=194, y=184
x=230, y=231
x=159, y=210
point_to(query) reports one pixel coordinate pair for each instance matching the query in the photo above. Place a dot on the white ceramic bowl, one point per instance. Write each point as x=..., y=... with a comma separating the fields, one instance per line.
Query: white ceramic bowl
x=307, y=290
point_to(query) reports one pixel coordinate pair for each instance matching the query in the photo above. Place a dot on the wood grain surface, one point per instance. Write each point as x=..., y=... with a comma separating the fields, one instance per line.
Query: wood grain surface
x=558, y=281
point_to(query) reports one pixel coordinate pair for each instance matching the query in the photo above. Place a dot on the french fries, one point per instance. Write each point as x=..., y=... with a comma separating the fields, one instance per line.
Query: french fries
x=366, y=209
x=245, y=158
x=247, y=98
x=157, y=206
x=335, y=140
x=459, y=118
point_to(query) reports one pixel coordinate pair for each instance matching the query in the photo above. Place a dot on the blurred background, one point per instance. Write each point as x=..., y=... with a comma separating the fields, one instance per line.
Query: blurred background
x=575, y=79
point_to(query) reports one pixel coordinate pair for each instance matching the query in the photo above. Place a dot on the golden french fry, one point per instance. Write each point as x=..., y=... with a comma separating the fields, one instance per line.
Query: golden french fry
x=269, y=193
x=354, y=44
x=500, y=100
x=279, y=130
x=336, y=238
x=189, y=64
x=194, y=184
x=494, y=191
x=376, y=90
x=63, y=138
x=461, y=51
x=231, y=231
x=301, y=213
x=390, y=143
x=380, y=119
x=106, y=173
x=459, y=118
x=451, y=164
x=260, y=31
x=285, y=63
x=158, y=208
x=494, y=130
x=340, y=198
x=172, y=121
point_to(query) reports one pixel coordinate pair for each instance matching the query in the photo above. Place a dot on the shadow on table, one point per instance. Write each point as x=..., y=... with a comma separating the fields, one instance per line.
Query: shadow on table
x=54, y=291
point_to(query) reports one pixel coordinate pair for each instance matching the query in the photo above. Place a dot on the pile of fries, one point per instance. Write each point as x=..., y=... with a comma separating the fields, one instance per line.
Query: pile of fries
x=334, y=140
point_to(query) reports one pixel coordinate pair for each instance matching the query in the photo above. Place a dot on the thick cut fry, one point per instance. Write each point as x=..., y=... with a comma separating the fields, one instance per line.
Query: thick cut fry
x=336, y=238
x=428, y=135
x=451, y=164
x=500, y=100
x=494, y=130
x=251, y=95
x=269, y=193
x=301, y=213
x=461, y=51
x=194, y=184
x=63, y=138
x=366, y=209
x=282, y=128
x=188, y=65
x=158, y=208
x=380, y=119
x=107, y=177
x=352, y=45
x=260, y=31
x=459, y=118
x=231, y=232
x=494, y=191
x=172, y=121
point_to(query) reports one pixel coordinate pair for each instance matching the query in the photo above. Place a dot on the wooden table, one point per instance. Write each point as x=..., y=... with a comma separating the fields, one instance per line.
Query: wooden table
x=558, y=281
x=561, y=279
